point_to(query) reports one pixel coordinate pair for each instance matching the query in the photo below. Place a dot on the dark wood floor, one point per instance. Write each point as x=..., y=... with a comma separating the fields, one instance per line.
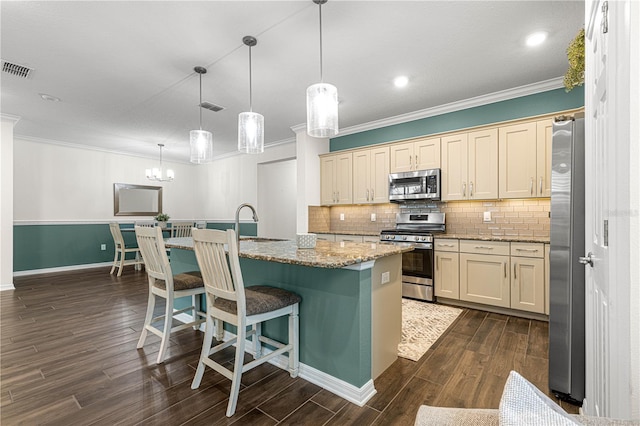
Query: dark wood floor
x=68, y=357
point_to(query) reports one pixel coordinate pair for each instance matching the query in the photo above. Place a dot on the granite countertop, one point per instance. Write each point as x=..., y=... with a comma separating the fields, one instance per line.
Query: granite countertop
x=326, y=254
x=506, y=238
x=366, y=233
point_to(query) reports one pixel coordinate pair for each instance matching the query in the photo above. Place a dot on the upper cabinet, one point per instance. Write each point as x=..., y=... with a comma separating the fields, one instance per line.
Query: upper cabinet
x=525, y=160
x=336, y=178
x=371, y=176
x=422, y=154
x=544, y=135
x=470, y=166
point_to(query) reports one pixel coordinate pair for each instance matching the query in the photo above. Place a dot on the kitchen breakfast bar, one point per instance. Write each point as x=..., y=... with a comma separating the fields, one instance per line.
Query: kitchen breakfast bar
x=351, y=309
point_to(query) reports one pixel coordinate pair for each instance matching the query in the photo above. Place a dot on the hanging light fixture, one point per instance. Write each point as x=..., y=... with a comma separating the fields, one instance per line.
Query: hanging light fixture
x=250, y=124
x=157, y=174
x=322, y=100
x=201, y=141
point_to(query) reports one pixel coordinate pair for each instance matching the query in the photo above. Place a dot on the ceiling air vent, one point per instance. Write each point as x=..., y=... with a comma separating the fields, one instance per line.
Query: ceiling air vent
x=211, y=107
x=15, y=69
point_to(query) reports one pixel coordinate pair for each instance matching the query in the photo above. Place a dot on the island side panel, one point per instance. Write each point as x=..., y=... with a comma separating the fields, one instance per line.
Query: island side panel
x=386, y=321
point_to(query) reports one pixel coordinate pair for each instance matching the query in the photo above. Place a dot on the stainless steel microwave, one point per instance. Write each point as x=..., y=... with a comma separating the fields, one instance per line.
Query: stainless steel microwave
x=418, y=185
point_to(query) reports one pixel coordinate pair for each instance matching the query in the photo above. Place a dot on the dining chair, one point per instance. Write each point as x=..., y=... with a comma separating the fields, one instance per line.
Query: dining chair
x=163, y=284
x=228, y=300
x=181, y=229
x=120, y=258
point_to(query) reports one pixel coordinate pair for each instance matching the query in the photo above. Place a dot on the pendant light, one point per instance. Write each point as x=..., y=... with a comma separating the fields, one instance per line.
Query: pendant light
x=250, y=124
x=322, y=100
x=201, y=141
x=157, y=174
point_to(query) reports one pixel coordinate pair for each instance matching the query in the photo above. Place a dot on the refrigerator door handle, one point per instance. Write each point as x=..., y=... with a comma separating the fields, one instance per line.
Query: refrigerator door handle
x=587, y=260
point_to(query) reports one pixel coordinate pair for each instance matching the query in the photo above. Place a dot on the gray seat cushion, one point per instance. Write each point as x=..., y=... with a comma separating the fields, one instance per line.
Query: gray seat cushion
x=260, y=299
x=185, y=281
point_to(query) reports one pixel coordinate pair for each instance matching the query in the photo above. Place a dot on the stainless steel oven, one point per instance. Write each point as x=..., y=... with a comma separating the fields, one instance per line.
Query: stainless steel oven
x=417, y=265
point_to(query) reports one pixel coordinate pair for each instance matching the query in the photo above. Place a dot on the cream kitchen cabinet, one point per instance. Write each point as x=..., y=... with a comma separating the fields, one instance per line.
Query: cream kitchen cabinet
x=470, y=166
x=485, y=272
x=336, y=179
x=544, y=135
x=371, y=176
x=422, y=154
x=528, y=277
x=447, y=269
x=525, y=160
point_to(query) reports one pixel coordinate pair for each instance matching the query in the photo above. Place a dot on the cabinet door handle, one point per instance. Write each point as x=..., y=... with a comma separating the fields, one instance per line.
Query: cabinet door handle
x=464, y=189
x=540, y=187
x=437, y=262
x=470, y=189
x=337, y=196
x=484, y=247
x=371, y=194
x=411, y=162
x=446, y=245
x=367, y=195
x=505, y=269
x=515, y=274
x=531, y=187
x=416, y=161
x=524, y=249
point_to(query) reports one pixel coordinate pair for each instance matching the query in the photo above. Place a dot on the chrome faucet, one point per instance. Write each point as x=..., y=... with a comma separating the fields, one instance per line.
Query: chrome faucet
x=237, y=226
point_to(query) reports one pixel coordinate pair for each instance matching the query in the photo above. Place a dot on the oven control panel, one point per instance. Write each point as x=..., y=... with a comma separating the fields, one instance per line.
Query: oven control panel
x=400, y=238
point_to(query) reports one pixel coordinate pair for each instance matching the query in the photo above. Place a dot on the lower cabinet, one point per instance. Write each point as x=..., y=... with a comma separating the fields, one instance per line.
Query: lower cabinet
x=485, y=279
x=528, y=277
x=447, y=275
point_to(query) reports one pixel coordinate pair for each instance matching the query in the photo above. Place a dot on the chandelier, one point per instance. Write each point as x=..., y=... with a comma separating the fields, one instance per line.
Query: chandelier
x=157, y=174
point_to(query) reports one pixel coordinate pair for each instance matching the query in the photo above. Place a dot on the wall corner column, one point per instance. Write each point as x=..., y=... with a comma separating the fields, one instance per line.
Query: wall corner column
x=6, y=202
x=308, y=174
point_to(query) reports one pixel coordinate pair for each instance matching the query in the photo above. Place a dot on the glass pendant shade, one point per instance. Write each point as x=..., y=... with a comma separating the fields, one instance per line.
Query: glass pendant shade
x=251, y=132
x=201, y=143
x=322, y=110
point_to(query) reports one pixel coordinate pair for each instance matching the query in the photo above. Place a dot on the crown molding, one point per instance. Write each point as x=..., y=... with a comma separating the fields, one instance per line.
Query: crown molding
x=9, y=117
x=503, y=95
x=131, y=154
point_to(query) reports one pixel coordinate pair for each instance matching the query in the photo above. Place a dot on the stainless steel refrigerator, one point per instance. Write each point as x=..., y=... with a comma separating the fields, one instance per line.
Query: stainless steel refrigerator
x=567, y=284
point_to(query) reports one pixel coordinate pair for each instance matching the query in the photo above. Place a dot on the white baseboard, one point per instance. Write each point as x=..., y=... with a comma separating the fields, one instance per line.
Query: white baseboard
x=61, y=269
x=354, y=394
x=4, y=287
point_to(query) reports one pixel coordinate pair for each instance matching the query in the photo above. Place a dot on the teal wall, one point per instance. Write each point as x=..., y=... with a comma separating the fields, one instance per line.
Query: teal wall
x=526, y=106
x=335, y=312
x=52, y=246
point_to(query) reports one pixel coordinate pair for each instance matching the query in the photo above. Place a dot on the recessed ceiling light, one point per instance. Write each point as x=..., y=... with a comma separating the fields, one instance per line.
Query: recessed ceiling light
x=536, y=39
x=401, y=81
x=51, y=98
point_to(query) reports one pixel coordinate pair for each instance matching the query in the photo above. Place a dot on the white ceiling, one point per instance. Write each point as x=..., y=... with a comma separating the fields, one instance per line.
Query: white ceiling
x=124, y=69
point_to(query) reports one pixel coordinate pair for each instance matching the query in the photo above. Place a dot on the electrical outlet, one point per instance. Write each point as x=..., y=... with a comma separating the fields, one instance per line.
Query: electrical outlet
x=385, y=277
x=103, y=247
x=487, y=216
x=373, y=217
x=341, y=216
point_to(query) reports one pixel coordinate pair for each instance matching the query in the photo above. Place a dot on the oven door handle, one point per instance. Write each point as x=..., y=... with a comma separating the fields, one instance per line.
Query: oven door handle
x=426, y=246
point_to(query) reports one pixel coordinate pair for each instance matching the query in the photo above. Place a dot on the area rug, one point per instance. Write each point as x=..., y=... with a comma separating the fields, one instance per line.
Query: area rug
x=422, y=324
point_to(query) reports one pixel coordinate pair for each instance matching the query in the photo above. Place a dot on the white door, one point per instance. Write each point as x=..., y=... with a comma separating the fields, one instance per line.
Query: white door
x=277, y=189
x=611, y=382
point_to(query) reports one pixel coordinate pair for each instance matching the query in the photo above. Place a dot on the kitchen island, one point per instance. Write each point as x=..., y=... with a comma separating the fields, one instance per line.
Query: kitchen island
x=350, y=322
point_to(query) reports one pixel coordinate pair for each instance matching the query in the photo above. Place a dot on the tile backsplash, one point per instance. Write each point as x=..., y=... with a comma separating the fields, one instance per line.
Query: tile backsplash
x=526, y=218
